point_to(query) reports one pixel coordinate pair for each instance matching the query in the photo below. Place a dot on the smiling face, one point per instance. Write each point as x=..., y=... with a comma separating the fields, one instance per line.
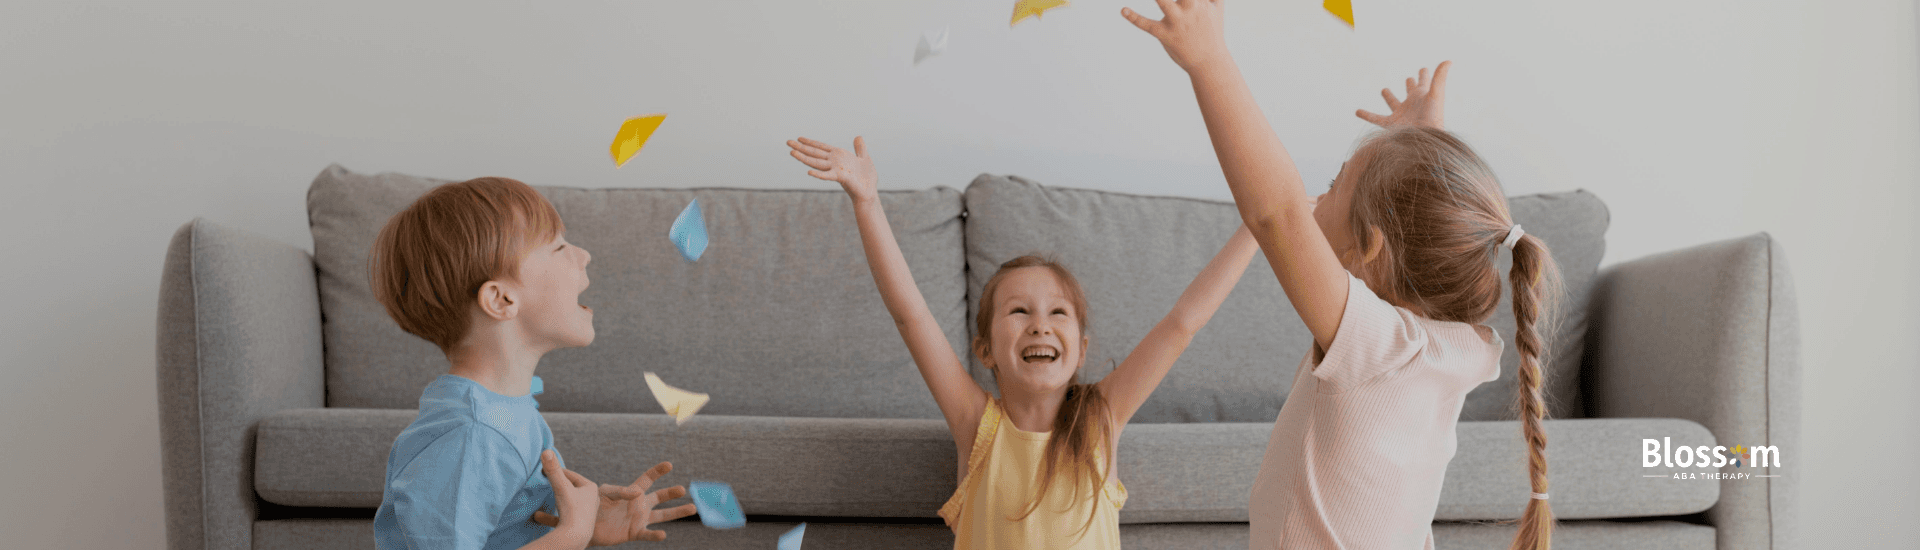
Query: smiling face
x=1036, y=341
x=549, y=282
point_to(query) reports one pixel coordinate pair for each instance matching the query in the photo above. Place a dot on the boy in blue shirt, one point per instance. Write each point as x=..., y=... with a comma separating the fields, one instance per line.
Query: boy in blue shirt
x=482, y=269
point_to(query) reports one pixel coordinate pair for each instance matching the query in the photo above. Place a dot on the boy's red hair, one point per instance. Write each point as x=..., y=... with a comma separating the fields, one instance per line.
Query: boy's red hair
x=429, y=261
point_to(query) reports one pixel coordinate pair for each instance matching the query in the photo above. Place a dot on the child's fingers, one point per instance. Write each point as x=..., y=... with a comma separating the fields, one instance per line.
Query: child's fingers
x=810, y=149
x=1423, y=76
x=1370, y=117
x=579, y=481
x=1413, y=88
x=1392, y=102
x=621, y=492
x=670, y=493
x=819, y=163
x=860, y=146
x=1439, y=83
x=827, y=175
x=825, y=149
x=546, y=519
x=1152, y=27
x=551, y=465
x=670, y=514
x=644, y=533
x=647, y=478
x=648, y=535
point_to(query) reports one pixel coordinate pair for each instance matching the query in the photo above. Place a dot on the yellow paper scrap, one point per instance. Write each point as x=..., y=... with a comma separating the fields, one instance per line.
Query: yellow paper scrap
x=678, y=402
x=633, y=135
x=1025, y=8
x=1342, y=9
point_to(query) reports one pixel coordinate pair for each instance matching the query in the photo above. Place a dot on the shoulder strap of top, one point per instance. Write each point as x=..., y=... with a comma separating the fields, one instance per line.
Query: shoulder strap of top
x=983, y=435
x=982, y=440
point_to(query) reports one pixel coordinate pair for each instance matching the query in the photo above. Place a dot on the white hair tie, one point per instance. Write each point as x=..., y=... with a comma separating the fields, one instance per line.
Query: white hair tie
x=1539, y=496
x=1513, y=237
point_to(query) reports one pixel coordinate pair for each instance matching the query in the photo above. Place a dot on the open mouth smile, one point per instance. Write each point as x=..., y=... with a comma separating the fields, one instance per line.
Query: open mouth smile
x=1040, y=354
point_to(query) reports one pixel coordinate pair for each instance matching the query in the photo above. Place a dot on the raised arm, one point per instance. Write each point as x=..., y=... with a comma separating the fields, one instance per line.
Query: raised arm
x=1128, y=386
x=960, y=399
x=1265, y=184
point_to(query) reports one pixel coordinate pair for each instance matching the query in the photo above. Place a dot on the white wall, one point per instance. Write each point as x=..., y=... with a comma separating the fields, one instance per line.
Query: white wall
x=1695, y=122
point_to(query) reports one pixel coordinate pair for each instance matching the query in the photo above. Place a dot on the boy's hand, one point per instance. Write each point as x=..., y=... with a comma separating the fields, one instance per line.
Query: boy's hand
x=854, y=170
x=1425, y=99
x=1193, y=31
x=572, y=492
x=625, y=512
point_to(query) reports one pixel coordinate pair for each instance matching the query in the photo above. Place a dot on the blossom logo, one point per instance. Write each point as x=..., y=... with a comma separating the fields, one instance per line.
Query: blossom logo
x=1655, y=453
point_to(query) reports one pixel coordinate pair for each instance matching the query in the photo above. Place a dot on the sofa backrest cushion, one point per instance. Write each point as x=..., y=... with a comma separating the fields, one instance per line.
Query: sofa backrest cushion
x=1135, y=254
x=779, y=317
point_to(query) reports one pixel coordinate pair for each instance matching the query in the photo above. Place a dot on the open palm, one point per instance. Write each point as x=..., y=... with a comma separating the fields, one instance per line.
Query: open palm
x=627, y=511
x=1424, y=105
x=853, y=169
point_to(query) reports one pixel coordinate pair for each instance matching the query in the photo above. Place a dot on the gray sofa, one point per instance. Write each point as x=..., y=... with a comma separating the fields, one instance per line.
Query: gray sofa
x=282, y=383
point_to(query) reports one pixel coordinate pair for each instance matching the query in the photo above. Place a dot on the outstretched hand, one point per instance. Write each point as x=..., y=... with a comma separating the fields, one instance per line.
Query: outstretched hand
x=626, y=511
x=853, y=169
x=1423, y=107
x=572, y=492
x=1192, y=31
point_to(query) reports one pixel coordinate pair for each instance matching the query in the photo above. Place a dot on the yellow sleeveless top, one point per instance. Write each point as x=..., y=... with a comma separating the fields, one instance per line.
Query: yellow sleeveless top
x=1000, y=484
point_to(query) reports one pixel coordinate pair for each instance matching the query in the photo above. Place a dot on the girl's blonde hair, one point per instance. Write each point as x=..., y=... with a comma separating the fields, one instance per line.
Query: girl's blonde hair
x=1083, y=422
x=1442, y=216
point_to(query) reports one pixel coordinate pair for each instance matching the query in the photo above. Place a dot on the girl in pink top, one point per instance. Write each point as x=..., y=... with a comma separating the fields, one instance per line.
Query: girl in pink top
x=1393, y=272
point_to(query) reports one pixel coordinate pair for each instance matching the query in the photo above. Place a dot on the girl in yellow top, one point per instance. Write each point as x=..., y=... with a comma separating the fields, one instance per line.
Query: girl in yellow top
x=1036, y=465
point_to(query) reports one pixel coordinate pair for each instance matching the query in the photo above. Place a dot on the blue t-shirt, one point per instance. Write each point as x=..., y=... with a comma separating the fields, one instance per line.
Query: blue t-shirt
x=466, y=473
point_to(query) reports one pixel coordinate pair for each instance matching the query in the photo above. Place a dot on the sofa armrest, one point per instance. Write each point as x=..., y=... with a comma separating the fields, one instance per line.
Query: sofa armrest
x=238, y=339
x=1709, y=334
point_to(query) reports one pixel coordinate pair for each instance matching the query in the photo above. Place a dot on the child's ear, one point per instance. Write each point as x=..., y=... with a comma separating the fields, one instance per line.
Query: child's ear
x=1085, y=343
x=497, y=301
x=1376, y=242
x=983, y=350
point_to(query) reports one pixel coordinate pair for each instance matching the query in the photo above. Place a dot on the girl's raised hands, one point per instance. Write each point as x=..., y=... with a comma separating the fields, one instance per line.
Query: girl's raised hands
x=1425, y=100
x=1193, y=31
x=852, y=169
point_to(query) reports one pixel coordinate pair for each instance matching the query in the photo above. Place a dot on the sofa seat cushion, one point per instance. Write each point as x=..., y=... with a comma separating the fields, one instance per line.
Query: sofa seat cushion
x=847, y=467
x=763, y=321
x=1134, y=255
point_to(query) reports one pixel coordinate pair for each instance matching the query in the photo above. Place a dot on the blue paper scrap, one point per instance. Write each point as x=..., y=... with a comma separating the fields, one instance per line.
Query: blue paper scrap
x=791, y=540
x=717, y=507
x=689, y=232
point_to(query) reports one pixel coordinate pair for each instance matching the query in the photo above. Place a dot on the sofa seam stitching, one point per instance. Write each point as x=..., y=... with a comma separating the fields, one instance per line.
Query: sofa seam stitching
x=199, y=380
x=1766, y=374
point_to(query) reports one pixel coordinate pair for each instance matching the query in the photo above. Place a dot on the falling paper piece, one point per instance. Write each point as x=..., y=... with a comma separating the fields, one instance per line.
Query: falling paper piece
x=718, y=509
x=1342, y=9
x=791, y=540
x=678, y=402
x=633, y=135
x=689, y=232
x=1024, y=8
x=930, y=46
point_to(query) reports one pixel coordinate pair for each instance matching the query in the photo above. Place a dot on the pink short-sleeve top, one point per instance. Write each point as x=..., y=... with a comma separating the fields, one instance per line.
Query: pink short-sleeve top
x=1361, y=446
